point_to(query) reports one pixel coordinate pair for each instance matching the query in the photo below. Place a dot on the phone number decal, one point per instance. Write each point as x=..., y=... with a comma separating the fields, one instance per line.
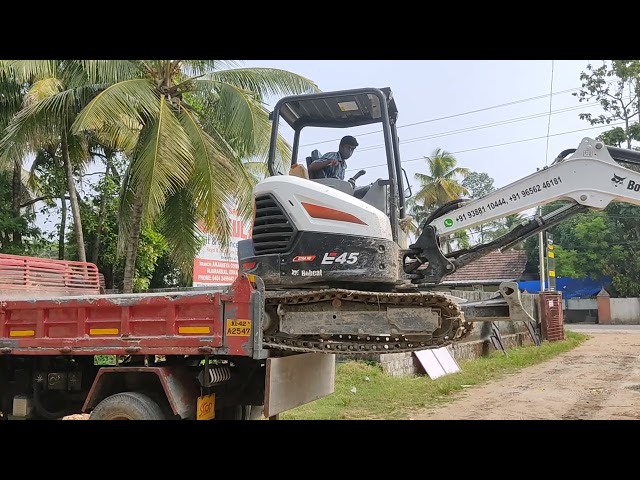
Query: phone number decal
x=527, y=192
x=481, y=210
x=524, y=193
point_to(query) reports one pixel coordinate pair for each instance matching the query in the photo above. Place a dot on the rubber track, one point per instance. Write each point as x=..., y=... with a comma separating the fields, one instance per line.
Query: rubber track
x=367, y=344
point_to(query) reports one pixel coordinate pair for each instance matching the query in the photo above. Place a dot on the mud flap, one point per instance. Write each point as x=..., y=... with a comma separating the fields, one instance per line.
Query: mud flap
x=298, y=379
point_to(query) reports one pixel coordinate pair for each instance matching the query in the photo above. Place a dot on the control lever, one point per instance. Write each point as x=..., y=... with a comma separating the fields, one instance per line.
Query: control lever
x=353, y=179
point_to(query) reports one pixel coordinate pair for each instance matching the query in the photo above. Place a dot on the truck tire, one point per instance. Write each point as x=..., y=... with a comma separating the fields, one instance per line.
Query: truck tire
x=127, y=406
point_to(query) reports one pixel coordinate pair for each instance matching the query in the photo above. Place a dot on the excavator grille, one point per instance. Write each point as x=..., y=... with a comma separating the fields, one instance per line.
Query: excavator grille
x=272, y=230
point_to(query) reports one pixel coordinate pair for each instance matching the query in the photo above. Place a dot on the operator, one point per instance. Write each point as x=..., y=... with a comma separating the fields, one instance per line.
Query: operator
x=334, y=163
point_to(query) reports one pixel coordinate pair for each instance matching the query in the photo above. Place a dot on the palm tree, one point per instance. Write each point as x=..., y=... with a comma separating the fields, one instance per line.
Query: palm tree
x=437, y=187
x=11, y=95
x=57, y=91
x=440, y=185
x=47, y=169
x=110, y=174
x=186, y=126
x=504, y=226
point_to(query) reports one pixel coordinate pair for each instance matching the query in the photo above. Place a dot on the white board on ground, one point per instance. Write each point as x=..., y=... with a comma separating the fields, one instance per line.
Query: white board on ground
x=446, y=360
x=437, y=362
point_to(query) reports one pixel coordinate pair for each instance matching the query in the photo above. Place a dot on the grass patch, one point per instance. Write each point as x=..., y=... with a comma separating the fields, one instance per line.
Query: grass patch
x=104, y=359
x=381, y=396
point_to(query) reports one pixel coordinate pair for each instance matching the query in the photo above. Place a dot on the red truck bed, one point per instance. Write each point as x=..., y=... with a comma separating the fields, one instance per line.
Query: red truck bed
x=170, y=323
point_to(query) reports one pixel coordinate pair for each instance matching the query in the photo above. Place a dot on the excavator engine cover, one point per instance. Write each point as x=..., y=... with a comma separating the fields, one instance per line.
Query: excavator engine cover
x=323, y=259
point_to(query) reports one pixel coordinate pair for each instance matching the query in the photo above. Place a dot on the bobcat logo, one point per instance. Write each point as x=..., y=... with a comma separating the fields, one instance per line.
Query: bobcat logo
x=616, y=180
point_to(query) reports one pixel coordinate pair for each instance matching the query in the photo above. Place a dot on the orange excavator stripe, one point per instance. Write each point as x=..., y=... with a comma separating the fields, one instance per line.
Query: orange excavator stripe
x=317, y=211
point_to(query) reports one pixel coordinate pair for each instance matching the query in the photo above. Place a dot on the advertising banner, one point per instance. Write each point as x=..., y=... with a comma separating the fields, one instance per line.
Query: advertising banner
x=212, y=266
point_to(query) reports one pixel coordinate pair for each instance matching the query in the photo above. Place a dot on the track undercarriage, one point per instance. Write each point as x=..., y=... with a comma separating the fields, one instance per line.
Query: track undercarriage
x=354, y=322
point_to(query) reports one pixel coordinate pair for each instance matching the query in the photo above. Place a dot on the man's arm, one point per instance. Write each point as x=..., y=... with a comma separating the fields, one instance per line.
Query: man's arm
x=320, y=164
x=324, y=161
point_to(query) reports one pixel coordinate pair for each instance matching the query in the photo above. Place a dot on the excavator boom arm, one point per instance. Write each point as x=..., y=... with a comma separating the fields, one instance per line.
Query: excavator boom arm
x=590, y=177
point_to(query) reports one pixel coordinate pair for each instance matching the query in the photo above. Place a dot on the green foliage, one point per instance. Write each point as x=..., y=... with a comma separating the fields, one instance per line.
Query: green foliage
x=152, y=245
x=187, y=127
x=104, y=360
x=440, y=184
x=10, y=224
x=437, y=187
x=615, y=86
x=597, y=244
x=614, y=137
x=478, y=184
x=591, y=238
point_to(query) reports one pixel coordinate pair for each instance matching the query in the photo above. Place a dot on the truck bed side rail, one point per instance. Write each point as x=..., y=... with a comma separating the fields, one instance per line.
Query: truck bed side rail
x=30, y=277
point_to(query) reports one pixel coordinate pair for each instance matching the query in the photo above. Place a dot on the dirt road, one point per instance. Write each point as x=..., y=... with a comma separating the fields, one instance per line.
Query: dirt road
x=598, y=380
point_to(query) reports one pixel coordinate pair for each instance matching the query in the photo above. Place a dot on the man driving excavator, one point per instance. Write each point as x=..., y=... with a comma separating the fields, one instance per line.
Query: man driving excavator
x=334, y=164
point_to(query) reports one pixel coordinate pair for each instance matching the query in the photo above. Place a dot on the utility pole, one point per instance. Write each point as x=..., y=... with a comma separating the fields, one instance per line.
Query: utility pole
x=541, y=251
x=551, y=263
x=541, y=255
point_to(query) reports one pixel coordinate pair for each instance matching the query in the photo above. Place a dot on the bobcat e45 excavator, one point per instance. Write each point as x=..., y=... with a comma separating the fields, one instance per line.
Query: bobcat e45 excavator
x=337, y=273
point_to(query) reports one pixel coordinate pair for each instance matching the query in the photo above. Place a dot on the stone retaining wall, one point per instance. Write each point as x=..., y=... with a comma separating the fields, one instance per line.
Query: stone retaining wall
x=478, y=344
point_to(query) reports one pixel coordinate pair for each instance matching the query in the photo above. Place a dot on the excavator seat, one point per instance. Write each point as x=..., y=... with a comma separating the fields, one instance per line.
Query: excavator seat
x=315, y=155
x=376, y=194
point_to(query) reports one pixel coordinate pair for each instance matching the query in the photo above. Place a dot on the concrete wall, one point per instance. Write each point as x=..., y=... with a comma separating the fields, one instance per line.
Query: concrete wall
x=581, y=304
x=603, y=310
x=407, y=364
x=625, y=311
x=478, y=344
x=579, y=310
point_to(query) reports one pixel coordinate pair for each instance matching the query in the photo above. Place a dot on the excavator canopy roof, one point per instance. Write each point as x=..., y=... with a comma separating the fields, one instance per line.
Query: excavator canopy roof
x=343, y=109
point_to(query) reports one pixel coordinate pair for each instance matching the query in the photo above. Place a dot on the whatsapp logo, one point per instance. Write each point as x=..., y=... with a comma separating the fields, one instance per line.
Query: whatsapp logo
x=448, y=222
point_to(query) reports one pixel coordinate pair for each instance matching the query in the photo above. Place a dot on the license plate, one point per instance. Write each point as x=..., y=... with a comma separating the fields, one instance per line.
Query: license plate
x=206, y=407
x=238, y=328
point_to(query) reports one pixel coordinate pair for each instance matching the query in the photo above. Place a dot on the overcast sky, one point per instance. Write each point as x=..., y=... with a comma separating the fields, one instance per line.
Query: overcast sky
x=427, y=90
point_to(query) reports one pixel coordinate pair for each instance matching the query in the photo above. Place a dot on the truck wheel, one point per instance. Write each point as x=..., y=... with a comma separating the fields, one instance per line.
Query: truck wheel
x=127, y=406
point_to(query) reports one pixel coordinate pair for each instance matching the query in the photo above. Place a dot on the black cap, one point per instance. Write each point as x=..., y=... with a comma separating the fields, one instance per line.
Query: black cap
x=349, y=140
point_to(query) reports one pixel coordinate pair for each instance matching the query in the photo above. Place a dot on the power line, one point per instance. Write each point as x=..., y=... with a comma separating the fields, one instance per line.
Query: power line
x=479, y=127
x=491, y=146
x=455, y=115
x=549, y=123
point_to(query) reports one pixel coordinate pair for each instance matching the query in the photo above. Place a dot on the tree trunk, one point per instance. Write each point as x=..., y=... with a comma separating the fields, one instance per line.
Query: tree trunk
x=63, y=226
x=132, y=245
x=15, y=200
x=103, y=205
x=75, y=206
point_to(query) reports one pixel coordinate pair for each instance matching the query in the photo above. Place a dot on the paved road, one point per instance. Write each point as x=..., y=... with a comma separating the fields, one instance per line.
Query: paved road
x=597, y=328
